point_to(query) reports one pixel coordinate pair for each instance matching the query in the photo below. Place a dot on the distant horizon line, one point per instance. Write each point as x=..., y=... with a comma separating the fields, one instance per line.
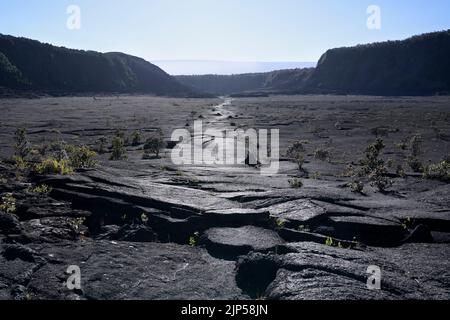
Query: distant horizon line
x=231, y=61
x=180, y=67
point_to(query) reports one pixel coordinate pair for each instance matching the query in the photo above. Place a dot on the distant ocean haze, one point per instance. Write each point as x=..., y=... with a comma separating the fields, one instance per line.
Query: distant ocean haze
x=199, y=67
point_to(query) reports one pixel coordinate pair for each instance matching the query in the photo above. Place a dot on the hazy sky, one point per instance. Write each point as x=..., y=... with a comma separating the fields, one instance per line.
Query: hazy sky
x=233, y=30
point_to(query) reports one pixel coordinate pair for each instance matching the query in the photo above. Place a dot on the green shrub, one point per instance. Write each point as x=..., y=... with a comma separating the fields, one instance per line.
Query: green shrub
x=333, y=243
x=154, y=144
x=349, y=171
x=439, y=171
x=81, y=157
x=378, y=178
x=408, y=224
x=136, y=138
x=194, y=239
x=371, y=157
x=329, y=242
x=76, y=224
x=8, y=204
x=295, y=150
x=21, y=143
x=54, y=166
x=280, y=224
x=118, y=149
x=374, y=168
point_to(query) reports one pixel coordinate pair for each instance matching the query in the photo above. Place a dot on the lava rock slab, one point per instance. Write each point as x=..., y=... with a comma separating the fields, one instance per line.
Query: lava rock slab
x=238, y=241
x=123, y=270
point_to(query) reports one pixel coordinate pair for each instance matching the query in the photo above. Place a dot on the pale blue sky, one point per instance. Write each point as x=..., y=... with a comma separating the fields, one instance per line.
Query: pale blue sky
x=233, y=30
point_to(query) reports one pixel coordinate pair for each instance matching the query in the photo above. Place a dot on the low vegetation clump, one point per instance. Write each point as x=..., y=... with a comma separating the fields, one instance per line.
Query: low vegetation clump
x=101, y=145
x=194, y=239
x=300, y=161
x=402, y=145
x=356, y=186
x=62, y=158
x=408, y=223
x=179, y=173
x=400, y=171
x=415, y=146
x=348, y=172
x=118, y=150
x=316, y=175
x=55, y=149
x=379, y=179
x=81, y=157
x=295, y=183
x=280, y=224
x=337, y=244
x=415, y=164
x=54, y=166
x=76, y=224
x=144, y=218
x=322, y=154
x=76, y=157
x=8, y=203
x=41, y=189
x=20, y=163
x=439, y=171
x=57, y=157
x=304, y=228
x=329, y=242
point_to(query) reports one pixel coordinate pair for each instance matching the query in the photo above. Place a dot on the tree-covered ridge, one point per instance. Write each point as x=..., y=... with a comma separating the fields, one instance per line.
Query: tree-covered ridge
x=49, y=68
x=416, y=66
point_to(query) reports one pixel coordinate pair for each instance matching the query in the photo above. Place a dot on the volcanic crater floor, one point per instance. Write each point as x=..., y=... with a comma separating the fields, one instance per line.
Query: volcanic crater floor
x=145, y=228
